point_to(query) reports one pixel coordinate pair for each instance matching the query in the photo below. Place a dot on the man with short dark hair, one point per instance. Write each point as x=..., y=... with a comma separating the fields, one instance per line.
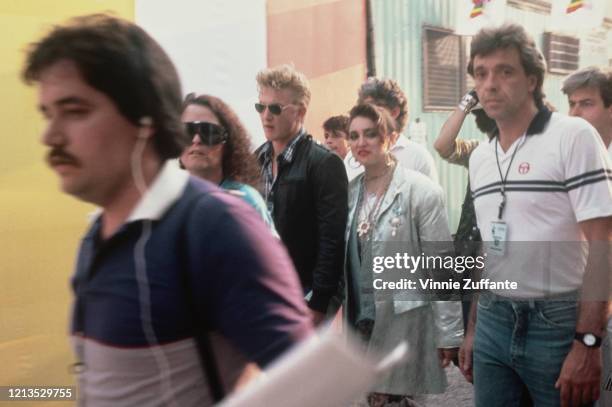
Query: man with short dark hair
x=178, y=285
x=305, y=187
x=335, y=134
x=542, y=194
x=387, y=93
x=589, y=93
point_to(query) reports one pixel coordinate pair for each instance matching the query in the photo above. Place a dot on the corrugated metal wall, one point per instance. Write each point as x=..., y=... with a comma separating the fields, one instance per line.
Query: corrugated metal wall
x=398, y=26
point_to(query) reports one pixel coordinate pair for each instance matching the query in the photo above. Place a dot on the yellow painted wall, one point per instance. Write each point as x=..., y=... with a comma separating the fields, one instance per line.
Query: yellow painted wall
x=40, y=227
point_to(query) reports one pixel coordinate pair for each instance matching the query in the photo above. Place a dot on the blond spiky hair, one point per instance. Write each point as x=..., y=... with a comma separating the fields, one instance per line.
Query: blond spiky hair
x=286, y=77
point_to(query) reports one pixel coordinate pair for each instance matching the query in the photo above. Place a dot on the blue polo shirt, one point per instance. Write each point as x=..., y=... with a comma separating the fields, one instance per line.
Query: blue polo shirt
x=189, y=255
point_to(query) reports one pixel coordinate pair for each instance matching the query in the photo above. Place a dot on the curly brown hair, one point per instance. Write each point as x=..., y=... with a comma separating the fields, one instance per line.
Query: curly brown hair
x=239, y=164
x=386, y=92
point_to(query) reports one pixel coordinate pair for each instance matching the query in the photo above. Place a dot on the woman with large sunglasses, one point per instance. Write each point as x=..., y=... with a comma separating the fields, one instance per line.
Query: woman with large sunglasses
x=220, y=150
x=394, y=210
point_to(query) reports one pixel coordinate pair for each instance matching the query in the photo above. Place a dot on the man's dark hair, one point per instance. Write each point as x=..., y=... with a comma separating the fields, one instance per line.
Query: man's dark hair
x=489, y=40
x=337, y=123
x=121, y=60
x=484, y=123
x=590, y=77
x=386, y=93
x=238, y=163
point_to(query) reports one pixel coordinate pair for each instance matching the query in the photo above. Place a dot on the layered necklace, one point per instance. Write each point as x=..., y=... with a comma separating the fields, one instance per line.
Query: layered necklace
x=370, y=205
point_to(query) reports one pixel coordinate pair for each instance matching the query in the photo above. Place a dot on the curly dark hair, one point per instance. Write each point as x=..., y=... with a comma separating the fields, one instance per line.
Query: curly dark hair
x=239, y=163
x=484, y=123
x=387, y=93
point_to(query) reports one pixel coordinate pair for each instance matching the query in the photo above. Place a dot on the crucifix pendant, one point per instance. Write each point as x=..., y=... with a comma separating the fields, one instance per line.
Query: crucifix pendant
x=363, y=229
x=395, y=222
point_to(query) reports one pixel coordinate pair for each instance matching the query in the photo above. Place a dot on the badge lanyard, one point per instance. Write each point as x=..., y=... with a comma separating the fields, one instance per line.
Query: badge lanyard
x=499, y=228
x=503, y=178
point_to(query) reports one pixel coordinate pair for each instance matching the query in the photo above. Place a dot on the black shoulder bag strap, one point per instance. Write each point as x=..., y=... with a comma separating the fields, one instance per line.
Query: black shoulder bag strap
x=467, y=234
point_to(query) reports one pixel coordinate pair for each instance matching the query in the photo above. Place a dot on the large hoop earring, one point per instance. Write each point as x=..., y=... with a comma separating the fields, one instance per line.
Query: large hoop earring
x=388, y=159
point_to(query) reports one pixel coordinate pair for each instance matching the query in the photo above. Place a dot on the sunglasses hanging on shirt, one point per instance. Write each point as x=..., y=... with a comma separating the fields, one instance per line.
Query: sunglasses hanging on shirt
x=210, y=134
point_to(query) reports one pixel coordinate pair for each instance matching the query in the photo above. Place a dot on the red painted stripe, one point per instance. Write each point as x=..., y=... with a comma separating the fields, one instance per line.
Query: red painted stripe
x=320, y=39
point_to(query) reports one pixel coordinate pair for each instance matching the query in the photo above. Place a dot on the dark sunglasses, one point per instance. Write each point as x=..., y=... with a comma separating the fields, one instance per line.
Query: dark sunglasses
x=210, y=134
x=274, y=108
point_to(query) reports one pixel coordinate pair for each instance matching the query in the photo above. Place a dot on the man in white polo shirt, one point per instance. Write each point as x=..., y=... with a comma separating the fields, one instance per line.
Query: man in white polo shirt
x=387, y=93
x=589, y=94
x=541, y=186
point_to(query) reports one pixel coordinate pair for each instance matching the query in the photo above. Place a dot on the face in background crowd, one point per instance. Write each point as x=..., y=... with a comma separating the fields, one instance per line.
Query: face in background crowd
x=90, y=142
x=503, y=87
x=336, y=142
x=201, y=159
x=587, y=103
x=281, y=117
x=368, y=146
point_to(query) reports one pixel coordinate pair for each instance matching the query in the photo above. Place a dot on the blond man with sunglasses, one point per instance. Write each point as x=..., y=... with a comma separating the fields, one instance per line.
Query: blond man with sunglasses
x=305, y=187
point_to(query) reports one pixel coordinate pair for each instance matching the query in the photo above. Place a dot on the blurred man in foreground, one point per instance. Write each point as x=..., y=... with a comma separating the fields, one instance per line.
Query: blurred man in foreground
x=160, y=314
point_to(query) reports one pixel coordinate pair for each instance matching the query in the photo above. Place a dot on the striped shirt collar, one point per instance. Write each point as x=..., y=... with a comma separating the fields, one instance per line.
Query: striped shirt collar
x=537, y=125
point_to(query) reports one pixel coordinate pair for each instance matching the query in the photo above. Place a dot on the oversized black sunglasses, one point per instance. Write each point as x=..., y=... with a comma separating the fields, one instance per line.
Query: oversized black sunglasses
x=210, y=134
x=274, y=108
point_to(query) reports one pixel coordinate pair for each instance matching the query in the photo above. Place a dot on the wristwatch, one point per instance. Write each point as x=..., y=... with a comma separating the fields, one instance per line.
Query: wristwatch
x=588, y=339
x=468, y=101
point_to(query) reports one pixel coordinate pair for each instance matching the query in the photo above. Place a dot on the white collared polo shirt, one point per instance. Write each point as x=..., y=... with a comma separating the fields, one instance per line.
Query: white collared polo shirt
x=560, y=176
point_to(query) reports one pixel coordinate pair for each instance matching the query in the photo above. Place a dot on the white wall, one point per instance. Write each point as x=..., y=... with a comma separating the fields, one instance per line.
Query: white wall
x=218, y=46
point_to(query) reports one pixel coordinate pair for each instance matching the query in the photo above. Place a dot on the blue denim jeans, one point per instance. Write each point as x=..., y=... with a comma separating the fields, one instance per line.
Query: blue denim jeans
x=521, y=343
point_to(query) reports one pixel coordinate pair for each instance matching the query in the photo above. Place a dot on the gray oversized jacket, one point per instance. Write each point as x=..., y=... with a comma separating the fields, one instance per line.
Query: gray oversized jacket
x=419, y=205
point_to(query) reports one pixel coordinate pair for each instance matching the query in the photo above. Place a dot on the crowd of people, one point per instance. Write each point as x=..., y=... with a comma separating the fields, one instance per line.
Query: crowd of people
x=195, y=276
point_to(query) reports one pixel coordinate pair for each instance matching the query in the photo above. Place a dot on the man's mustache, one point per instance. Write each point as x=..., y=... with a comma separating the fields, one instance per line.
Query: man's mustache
x=57, y=156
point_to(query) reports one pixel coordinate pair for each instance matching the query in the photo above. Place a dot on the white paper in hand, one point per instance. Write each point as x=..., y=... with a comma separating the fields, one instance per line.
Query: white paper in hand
x=325, y=371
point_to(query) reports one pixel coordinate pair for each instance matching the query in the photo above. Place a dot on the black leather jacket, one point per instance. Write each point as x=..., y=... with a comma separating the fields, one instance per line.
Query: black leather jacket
x=310, y=210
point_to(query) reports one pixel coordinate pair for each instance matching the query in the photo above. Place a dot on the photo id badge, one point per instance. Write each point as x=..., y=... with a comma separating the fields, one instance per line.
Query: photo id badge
x=499, y=231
